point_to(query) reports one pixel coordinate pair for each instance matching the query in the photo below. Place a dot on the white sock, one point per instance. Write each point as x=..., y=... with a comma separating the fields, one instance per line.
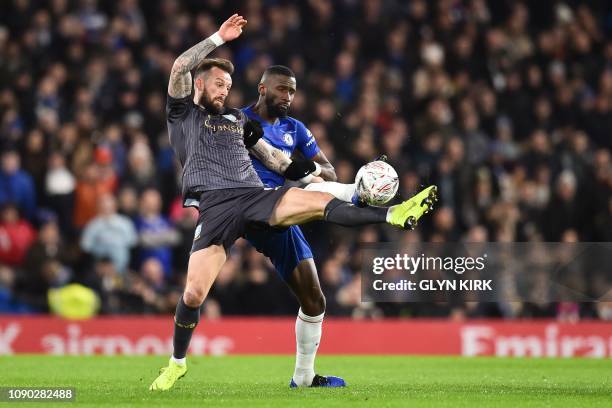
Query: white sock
x=307, y=336
x=180, y=361
x=344, y=192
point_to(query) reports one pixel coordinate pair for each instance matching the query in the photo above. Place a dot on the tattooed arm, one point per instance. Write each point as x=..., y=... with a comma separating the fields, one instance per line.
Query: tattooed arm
x=277, y=161
x=180, y=76
x=271, y=157
x=328, y=173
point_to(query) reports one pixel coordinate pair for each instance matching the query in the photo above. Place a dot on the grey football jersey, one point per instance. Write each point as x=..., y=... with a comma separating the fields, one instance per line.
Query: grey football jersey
x=210, y=147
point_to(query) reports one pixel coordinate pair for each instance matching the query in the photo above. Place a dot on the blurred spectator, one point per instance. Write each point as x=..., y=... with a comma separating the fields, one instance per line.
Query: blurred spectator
x=331, y=282
x=225, y=291
x=127, y=199
x=17, y=186
x=257, y=286
x=92, y=185
x=141, y=172
x=108, y=284
x=59, y=189
x=565, y=211
x=35, y=159
x=157, y=236
x=48, y=247
x=185, y=220
x=16, y=236
x=9, y=302
x=149, y=292
x=109, y=234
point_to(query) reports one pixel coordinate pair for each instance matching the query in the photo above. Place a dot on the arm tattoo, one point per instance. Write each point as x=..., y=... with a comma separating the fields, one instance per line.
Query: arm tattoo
x=271, y=157
x=328, y=173
x=180, y=76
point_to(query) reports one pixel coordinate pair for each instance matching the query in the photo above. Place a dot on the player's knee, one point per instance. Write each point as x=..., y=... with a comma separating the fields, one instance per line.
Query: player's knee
x=321, y=199
x=314, y=303
x=299, y=206
x=194, y=297
x=321, y=302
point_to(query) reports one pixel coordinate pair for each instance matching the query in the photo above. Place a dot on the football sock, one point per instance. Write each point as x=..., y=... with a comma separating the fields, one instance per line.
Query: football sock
x=307, y=337
x=185, y=321
x=344, y=192
x=348, y=215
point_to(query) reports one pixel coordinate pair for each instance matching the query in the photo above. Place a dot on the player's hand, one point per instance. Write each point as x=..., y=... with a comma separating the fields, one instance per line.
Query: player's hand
x=232, y=28
x=299, y=169
x=252, y=133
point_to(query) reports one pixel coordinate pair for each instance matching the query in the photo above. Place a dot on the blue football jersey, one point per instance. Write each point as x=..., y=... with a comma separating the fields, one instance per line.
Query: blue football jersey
x=286, y=134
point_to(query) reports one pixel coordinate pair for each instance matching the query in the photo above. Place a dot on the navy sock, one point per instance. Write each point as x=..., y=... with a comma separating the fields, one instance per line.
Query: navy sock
x=185, y=321
x=346, y=214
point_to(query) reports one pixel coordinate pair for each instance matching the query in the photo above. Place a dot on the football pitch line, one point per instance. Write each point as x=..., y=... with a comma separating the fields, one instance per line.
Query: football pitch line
x=386, y=381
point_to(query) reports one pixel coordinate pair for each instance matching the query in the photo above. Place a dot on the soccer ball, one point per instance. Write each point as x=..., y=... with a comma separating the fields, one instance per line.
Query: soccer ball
x=377, y=183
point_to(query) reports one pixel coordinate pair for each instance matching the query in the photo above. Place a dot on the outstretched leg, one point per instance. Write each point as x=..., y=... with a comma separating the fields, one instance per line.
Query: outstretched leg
x=298, y=206
x=344, y=192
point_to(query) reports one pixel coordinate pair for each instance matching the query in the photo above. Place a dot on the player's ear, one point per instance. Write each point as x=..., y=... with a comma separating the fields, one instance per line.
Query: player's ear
x=199, y=83
x=262, y=89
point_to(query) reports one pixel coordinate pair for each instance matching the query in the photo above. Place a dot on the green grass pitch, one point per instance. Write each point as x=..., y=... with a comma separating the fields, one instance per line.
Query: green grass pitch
x=246, y=381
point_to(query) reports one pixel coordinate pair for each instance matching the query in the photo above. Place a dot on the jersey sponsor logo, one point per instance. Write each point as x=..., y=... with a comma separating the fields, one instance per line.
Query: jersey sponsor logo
x=223, y=127
x=288, y=139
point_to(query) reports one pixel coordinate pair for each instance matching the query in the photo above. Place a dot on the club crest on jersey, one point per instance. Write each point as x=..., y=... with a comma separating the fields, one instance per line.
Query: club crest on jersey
x=288, y=139
x=198, y=230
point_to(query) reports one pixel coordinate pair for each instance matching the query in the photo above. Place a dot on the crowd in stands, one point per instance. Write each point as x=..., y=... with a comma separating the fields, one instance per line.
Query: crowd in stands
x=505, y=105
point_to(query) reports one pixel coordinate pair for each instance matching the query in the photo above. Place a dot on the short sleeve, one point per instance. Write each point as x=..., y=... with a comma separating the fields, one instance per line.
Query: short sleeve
x=306, y=142
x=242, y=116
x=178, y=108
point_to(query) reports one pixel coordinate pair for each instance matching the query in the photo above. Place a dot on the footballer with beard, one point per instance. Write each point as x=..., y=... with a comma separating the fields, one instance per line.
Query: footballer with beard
x=213, y=143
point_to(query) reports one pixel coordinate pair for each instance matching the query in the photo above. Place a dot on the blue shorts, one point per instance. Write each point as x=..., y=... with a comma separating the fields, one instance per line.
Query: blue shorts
x=285, y=248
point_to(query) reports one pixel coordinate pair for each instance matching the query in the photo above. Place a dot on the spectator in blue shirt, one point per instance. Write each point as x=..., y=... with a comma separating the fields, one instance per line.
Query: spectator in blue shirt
x=156, y=234
x=16, y=185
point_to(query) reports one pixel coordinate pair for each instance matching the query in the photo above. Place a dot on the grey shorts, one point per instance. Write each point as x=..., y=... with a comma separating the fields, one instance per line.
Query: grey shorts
x=225, y=215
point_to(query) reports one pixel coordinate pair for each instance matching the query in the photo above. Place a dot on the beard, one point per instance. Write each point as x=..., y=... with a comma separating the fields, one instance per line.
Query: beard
x=275, y=110
x=209, y=104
